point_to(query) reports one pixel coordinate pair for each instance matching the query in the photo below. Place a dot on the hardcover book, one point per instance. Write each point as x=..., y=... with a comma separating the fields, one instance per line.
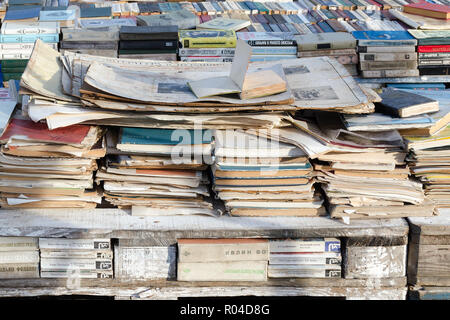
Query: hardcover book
x=403, y=104
x=384, y=38
x=320, y=41
x=433, y=10
x=431, y=37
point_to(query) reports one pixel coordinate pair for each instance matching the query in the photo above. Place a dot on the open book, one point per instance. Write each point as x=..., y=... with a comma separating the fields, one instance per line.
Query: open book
x=259, y=82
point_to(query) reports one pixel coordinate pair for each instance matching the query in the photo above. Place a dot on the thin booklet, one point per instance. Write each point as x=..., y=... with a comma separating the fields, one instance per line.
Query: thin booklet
x=257, y=83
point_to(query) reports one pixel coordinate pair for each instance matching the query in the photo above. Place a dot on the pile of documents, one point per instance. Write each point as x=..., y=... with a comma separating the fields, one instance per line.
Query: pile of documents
x=305, y=258
x=434, y=51
x=19, y=258
x=49, y=168
x=270, y=46
x=258, y=176
x=367, y=176
x=386, y=54
x=143, y=42
x=76, y=259
x=222, y=259
x=96, y=41
x=17, y=42
x=157, y=172
x=338, y=45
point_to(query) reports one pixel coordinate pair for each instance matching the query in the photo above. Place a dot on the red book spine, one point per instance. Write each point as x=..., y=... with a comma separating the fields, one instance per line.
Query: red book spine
x=437, y=48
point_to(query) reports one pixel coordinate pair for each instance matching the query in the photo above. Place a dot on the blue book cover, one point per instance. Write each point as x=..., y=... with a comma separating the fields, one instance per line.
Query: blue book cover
x=27, y=38
x=57, y=15
x=22, y=14
x=291, y=50
x=417, y=86
x=384, y=38
x=145, y=136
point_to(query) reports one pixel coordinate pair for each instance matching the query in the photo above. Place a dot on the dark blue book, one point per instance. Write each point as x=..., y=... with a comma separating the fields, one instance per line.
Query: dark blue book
x=251, y=6
x=266, y=27
x=31, y=14
x=197, y=7
x=217, y=6
x=417, y=86
x=95, y=12
x=325, y=27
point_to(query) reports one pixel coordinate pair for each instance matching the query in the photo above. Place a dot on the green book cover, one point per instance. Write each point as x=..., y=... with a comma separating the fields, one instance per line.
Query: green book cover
x=11, y=76
x=13, y=63
x=13, y=69
x=144, y=136
x=431, y=37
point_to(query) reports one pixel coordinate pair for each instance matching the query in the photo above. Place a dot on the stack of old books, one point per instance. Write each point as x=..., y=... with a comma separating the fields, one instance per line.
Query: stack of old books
x=384, y=54
x=270, y=46
x=434, y=51
x=97, y=41
x=76, y=258
x=157, y=174
x=19, y=258
x=65, y=17
x=49, y=168
x=256, y=176
x=17, y=42
x=366, y=175
x=142, y=42
x=305, y=258
x=206, y=45
x=339, y=45
x=222, y=259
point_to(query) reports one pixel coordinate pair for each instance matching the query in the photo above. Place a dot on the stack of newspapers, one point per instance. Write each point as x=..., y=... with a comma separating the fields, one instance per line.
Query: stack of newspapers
x=76, y=258
x=157, y=172
x=305, y=258
x=19, y=258
x=386, y=54
x=258, y=176
x=17, y=42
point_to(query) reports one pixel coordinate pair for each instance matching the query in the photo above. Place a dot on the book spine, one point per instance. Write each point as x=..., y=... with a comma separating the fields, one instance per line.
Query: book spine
x=388, y=43
x=223, y=252
x=277, y=50
x=424, y=62
x=225, y=52
x=431, y=55
x=12, y=38
x=18, y=243
x=427, y=49
x=387, y=56
x=207, y=59
x=19, y=257
x=303, y=259
x=388, y=65
x=83, y=275
x=86, y=264
x=24, y=47
x=365, y=49
x=332, y=245
x=269, y=43
x=79, y=254
x=389, y=73
x=302, y=273
x=14, y=29
x=327, y=45
x=19, y=271
x=222, y=271
x=74, y=244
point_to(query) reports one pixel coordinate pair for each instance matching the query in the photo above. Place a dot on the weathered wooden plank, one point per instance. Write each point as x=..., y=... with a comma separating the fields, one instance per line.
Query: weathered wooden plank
x=116, y=223
x=433, y=226
x=433, y=281
x=122, y=283
x=172, y=293
x=434, y=260
x=426, y=240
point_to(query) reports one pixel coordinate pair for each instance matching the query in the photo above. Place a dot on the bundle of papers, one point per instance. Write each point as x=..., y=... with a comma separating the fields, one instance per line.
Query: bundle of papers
x=369, y=180
x=255, y=176
x=158, y=172
x=49, y=169
x=429, y=162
